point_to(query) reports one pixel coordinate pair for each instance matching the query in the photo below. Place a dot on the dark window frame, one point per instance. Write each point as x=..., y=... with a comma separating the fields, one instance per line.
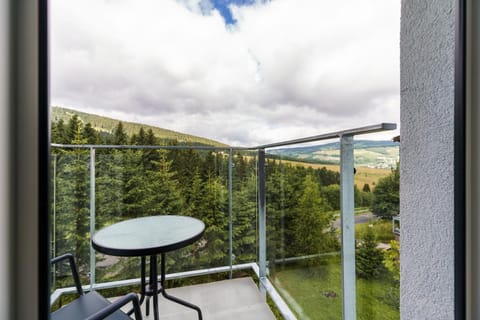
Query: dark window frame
x=460, y=161
x=44, y=162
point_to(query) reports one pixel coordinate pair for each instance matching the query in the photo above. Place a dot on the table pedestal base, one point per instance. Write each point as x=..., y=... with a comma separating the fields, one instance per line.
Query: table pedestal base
x=152, y=289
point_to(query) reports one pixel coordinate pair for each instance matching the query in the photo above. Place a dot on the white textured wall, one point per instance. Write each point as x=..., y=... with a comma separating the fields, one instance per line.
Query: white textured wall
x=426, y=159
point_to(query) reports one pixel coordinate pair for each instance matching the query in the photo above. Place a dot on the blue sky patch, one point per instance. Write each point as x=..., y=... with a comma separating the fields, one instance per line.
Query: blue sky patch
x=223, y=7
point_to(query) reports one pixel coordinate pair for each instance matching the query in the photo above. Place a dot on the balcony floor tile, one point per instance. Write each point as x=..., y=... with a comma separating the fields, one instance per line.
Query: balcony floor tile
x=237, y=299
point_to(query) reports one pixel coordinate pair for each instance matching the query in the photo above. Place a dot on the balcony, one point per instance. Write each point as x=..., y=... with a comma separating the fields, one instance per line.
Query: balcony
x=269, y=236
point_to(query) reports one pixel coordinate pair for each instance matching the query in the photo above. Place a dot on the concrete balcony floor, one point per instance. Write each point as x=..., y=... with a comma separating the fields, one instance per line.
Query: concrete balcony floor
x=237, y=299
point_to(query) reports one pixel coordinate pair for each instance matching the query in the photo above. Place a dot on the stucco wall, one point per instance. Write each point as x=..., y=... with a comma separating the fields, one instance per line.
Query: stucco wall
x=426, y=159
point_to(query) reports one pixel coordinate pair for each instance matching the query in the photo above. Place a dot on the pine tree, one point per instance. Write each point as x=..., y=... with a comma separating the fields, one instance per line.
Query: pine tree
x=134, y=140
x=186, y=163
x=59, y=133
x=111, y=176
x=311, y=220
x=74, y=126
x=90, y=134
x=193, y=195
x=139, y=138
x=119, y=135
x=280, y=199
x=149, y=156
x=163, y=188
x=214, y=213
x=209, y=166
x=150, y=139
x=369, y=258
x=244, y=221
x=241, y=170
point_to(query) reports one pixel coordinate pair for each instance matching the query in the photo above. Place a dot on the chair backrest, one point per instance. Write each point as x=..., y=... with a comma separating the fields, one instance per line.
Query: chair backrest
x=93, y=305
x=73, y=268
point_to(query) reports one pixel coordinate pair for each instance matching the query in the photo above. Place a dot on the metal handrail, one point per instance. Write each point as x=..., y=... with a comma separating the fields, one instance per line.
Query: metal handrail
x=332, y=135
x=384, y=126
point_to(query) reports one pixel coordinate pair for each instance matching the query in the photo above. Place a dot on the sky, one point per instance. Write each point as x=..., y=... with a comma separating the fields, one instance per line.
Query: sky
x=243, y=72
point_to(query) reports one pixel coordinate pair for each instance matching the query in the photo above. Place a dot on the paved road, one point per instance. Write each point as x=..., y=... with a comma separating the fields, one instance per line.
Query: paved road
x=359, y=218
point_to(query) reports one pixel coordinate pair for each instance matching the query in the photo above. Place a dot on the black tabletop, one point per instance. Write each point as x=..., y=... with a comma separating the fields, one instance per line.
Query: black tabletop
x=148, y=235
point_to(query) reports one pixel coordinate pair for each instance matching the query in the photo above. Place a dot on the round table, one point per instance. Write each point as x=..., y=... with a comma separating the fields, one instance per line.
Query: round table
x=150, y=236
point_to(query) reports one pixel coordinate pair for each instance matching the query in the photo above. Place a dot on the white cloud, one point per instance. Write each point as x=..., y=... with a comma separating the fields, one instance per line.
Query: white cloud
x=288, y=68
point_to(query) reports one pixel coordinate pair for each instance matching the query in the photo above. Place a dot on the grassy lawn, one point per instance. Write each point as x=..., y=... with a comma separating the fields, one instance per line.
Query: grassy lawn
x=315, y=292
x=381, y=228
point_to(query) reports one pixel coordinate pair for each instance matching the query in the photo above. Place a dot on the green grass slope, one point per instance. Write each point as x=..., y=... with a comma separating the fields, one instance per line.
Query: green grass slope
x=105, y=124
x=368, y=153
x=315, y=292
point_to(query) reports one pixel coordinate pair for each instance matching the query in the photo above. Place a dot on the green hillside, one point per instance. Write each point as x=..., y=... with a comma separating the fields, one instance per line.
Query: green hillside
x=386, y=157
x=105, y=124
x=368, y=153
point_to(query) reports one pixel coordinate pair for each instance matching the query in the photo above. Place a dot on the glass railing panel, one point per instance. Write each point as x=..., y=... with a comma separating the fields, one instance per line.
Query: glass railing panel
x=144, y=182
x=304, y=231
x=69, y=216
x=132, y=183
x=303, y=239
x=378, y=266
x=377, y=245
x=204, y=176
x=244, y=207
x=120, y=194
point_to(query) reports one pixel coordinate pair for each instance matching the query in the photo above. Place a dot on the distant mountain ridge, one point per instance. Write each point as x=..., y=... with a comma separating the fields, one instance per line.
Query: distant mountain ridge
x=368, y=153
x=105, y=124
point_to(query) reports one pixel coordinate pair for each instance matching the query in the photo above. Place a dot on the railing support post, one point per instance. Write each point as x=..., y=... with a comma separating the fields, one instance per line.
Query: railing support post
x=348, y=227
x=54, y=209
x=92, y=215
x=262, y=220
x=230, y=215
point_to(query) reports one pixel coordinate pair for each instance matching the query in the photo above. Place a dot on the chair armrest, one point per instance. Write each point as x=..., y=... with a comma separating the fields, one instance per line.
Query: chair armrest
x=108, y=310
x=71, y=260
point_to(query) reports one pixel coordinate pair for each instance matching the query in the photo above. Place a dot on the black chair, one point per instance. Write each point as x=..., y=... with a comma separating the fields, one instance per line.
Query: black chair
x=92, y=305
